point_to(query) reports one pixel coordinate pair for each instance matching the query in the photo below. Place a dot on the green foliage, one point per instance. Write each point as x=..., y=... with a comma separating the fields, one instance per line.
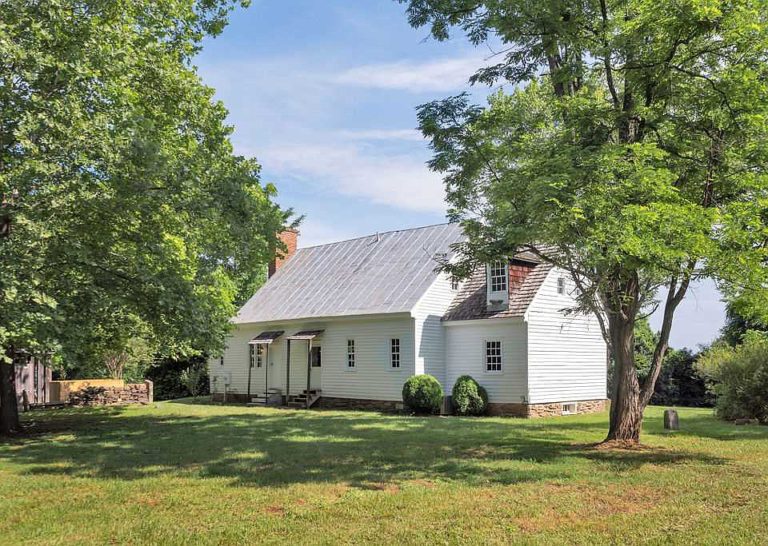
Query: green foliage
x=680, y=383
x=630, y=148
x=469, y=397
x=119, y=181
x=740, y=318
x=166, y=375
x=739, y=377
x=423, y=394
x=193, y=377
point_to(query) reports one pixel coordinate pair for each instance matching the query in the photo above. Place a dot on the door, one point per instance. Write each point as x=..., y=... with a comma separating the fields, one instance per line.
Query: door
x=317, y=368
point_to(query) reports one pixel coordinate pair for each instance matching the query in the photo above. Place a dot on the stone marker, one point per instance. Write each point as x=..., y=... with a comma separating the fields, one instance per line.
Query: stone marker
x=671, y=421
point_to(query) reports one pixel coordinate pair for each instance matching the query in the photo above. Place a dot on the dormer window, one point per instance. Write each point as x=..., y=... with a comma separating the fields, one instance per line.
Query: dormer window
x=498, y=276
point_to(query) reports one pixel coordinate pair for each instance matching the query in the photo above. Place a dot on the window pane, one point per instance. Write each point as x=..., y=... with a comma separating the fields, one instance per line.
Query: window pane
x=395, y=353
x=498, y=277
x=493, y=356
x=350, y=353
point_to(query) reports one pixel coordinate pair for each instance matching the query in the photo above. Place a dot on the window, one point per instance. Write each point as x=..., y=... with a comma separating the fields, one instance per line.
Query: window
x=454, y=284
x=221, y=360
x=317, y=360
x=569, y=408
x=493, y=356
x=350, y=353
x=561, y=285
x=498, y=276
x=257, y=355
x=394, y=355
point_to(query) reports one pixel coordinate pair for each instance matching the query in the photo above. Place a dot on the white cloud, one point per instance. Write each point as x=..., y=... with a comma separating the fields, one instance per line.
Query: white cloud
x=294, y=117
x=382, y=134
x=398, y=180
x=312, y=232
x=438, y=75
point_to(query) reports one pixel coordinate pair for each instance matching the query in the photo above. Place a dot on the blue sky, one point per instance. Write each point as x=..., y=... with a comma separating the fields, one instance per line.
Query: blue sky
x=323, y=94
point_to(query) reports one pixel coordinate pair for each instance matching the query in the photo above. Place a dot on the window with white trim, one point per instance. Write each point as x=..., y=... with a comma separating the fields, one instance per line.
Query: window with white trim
x=493, y=356
x=394, y=353
x=561, y=285
x=498, y=276
x=569, y=408
x=257, y=355
x=350, y=353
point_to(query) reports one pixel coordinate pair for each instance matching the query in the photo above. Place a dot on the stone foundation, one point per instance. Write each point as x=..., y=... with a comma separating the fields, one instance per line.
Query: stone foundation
x=233, y=397
x=553, y=409
x=508, y=410
x=136, y=393
x=327, y=402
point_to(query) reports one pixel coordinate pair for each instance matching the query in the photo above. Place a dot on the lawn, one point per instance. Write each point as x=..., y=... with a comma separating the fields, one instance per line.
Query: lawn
x=184, y=472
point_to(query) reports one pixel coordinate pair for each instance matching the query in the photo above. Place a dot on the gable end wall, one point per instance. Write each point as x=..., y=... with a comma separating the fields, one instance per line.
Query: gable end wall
x=566, y=353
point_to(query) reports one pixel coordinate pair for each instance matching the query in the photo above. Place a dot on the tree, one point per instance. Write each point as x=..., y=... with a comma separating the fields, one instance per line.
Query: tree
x=120, y=190
x=631, y=152
x=740, y=319
x=193, y=376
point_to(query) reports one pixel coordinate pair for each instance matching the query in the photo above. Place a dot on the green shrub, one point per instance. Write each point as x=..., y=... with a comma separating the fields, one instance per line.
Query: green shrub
x=166, y=376
x=469, y=397
x=738, y=376
x=423, y=394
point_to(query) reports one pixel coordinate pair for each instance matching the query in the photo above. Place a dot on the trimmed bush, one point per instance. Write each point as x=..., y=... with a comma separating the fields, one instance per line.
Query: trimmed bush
x=469, y=397
x=423, y=394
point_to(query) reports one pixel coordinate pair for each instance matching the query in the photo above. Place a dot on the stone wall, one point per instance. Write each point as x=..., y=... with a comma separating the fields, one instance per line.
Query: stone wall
x=130, y=393
x=553, y=409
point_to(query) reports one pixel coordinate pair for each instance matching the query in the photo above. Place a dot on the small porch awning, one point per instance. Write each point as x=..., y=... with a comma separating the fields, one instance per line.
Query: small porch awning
x=265, y=338
x=306, y=334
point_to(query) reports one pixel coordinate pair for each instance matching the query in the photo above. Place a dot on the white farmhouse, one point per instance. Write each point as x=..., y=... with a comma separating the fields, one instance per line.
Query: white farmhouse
x=345, y=324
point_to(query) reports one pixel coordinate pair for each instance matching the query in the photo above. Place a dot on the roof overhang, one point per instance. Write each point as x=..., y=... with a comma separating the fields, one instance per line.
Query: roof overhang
x=265, y=338
x=306, y=334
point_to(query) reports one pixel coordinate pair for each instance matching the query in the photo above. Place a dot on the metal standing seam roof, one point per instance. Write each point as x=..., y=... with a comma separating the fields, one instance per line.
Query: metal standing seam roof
x=384, y=273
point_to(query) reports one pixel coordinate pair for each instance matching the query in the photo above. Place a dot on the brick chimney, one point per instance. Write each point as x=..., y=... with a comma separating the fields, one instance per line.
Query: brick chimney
x=290, y=238
x=518, y=271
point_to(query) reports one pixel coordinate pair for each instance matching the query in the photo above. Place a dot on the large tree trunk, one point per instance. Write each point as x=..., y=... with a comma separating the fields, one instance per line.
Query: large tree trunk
x=9, y=410
x=626, y=401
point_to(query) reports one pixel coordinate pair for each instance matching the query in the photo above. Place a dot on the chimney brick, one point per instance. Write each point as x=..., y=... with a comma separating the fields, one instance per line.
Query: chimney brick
x=518, y=271
x=290, y=238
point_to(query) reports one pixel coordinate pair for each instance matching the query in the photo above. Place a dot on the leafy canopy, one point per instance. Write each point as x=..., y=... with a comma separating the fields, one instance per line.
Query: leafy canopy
x=628, y=148
x=118, y=179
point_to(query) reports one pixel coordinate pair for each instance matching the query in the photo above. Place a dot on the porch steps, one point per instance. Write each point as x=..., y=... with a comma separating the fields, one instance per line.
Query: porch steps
x=299, y=401
x=272, y=397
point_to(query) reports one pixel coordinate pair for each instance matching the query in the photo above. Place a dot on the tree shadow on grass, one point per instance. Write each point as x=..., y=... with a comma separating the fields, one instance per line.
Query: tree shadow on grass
x=280, y=448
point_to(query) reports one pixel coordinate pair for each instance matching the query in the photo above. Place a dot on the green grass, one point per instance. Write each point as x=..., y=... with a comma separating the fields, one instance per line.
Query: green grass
x=181, y=472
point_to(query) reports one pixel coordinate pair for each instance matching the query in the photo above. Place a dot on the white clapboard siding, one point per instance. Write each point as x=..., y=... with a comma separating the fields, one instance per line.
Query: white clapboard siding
x=429, y=329
x=372, y=378
x=465, y=355
x=566, y=353
x=235, y=361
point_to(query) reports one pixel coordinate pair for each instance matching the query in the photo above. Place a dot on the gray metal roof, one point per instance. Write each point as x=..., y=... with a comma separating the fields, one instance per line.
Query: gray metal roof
x=384, y=273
